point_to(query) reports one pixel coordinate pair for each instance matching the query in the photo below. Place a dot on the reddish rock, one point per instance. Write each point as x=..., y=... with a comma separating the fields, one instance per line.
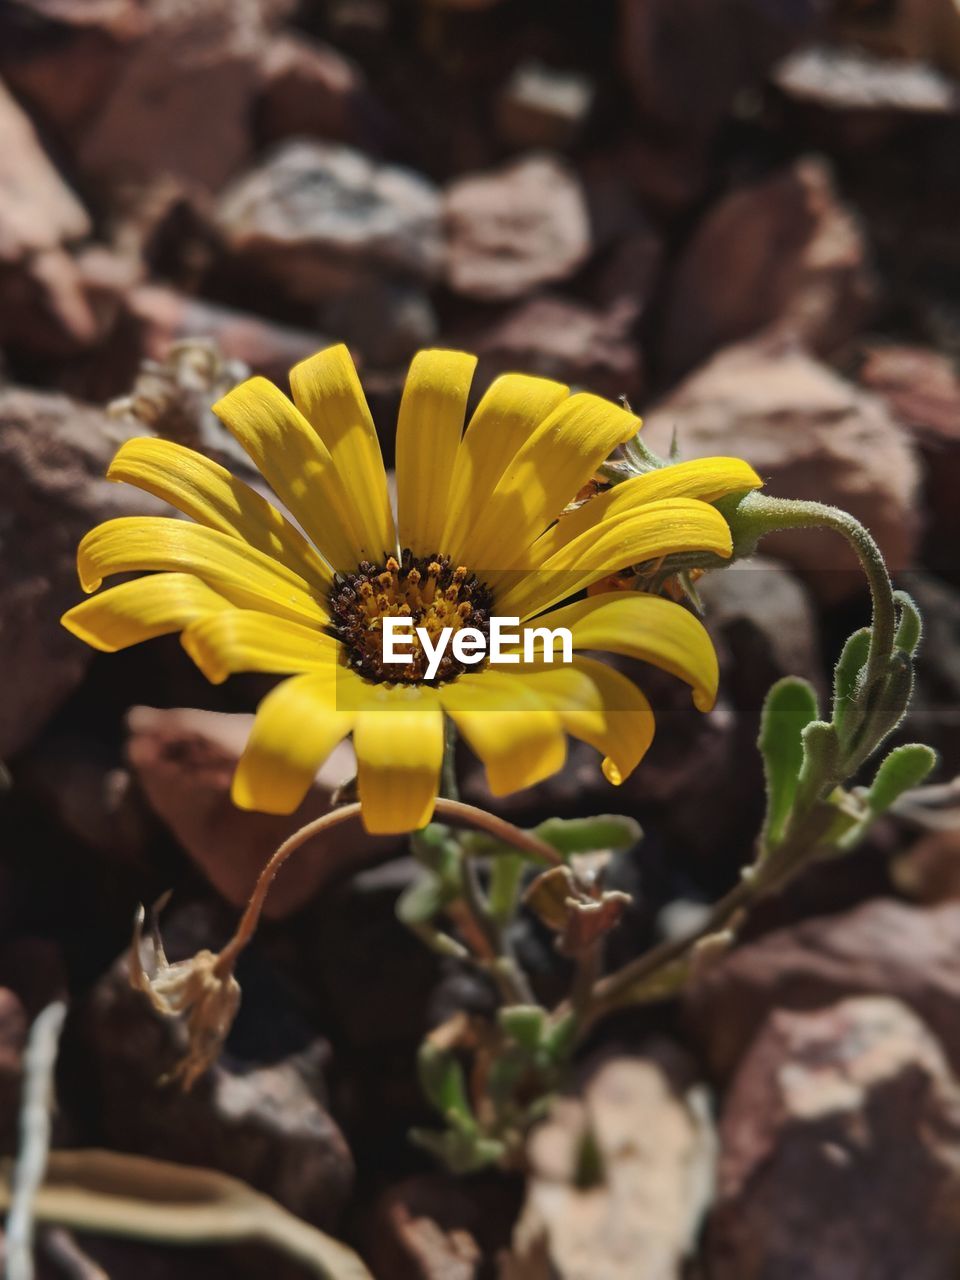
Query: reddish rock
x=44, y=307
x=652, y=1173
x=685, y=60
x=319, y=219
x=852, y=81
x=568, y=340
x=308, y=90
x=929, y=872
x=782, y=255
x=168, y=317
x=840, y=1151
x=922, y=389
x=809, y=434
x=923, y=30
x=184, y=761
x=884, y=947
x=53, y=455
x=540, y=106
x=435, y=1227
x=515, y=229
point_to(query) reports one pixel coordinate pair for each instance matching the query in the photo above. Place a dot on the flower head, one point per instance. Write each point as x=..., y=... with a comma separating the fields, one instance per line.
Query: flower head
x=476, y=532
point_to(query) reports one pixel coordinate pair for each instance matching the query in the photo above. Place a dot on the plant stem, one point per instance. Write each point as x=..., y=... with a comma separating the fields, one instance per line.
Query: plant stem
x=455, y=810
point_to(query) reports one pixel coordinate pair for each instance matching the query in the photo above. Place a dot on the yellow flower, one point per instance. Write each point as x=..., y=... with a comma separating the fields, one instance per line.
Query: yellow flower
x=476, y=532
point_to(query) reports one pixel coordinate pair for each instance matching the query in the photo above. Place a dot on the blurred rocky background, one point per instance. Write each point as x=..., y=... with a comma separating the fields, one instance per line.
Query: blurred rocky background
x=742, y=215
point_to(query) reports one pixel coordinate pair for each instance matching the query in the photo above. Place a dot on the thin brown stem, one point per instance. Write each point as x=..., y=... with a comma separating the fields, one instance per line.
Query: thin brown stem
x=454, y=810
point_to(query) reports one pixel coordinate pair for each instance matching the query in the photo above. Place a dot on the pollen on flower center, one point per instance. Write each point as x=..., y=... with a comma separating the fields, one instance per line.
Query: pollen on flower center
x=431, y=590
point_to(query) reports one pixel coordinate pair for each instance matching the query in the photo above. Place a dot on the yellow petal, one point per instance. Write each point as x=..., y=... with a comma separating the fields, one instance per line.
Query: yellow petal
x=209, y=494
x=650, y=628
x=327, y=392
x=549, y=469
x=242, y=575
x=654, y=530
x=704, y=478
x=620, y=725
x=429, y=425
x=246, y=640
x=516, y=735
x=142, y=609
x=398, y=739
x=296, y=727
x=512, y=408
x=296, y=464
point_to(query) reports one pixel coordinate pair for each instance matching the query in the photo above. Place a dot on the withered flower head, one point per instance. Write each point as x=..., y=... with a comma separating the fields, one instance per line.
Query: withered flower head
x=571, y=901
x=202, y=995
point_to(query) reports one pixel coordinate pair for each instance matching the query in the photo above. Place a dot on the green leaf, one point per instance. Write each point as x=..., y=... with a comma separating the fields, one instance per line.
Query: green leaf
x=890, y=705
x=421, y=901
x=846, y=680
x=506, y=872
x=790, y=706
x=524, y=1023
x=443, y=1082
x=584, y=835
x=904, y=768
x=910, y=626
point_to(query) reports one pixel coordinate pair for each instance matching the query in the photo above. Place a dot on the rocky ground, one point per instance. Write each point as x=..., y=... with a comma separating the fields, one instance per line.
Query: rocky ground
x=741, y=214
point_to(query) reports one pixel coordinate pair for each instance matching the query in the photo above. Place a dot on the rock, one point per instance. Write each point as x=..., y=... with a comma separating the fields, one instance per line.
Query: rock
x=619, y=1177
x=385, y=321
x=156, y=117
x=515, y=229
x=922, y=389
x=566, y=339
x=435, y=1227
x=13, y=1039
x=631, y=270
x=53, y=455
x=167, y=317
x=540, y=106
x=840, y=1151
x=184, y=761
x=810, y=434
x=783, y=255
x=929, y=871
x=44, y=308
x=852, y=80
x=309, y=90
x=259, y=1114
x=921, y=30
x=883, y=947
x=686, y=60
x=317, y=218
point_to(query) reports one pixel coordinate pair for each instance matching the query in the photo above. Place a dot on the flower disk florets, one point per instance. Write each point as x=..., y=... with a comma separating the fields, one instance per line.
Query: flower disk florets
x=430, y=590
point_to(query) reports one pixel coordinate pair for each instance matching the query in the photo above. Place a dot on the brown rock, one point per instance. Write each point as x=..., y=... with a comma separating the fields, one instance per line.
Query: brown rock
x=568, y=340
x=540, y=106
x=922, y=389
x=925, y=30
x=884, y=947
x=685, y=60
x=515, y=229
x=168, y=317
x=317, y=218
x=53, y=455
x=619, y=1177
x=840, y=1142
x=262, y=1119
x=308, y=90
x=929, y=872
x=44, y=307
x=157, y=117
x=184, y=761
x=810, y=435
x=435, y=1227
x=783, y=254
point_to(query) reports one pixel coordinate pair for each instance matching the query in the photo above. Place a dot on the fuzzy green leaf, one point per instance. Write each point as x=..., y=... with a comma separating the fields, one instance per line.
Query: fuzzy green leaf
x=443, y=1082
x=846, y=677
x=790, y=706
x=905, y=767
x=506, y=872
x=524, y=1023
x=584, y=835
x=910, y=625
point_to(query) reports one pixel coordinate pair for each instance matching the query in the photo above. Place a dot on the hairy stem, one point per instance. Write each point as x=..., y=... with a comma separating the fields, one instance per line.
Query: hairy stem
x=454, y=810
